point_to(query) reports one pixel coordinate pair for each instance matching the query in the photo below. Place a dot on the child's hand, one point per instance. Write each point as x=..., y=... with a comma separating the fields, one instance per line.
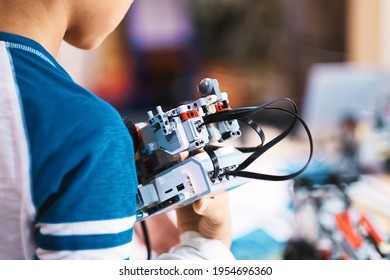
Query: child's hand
x=209, y=216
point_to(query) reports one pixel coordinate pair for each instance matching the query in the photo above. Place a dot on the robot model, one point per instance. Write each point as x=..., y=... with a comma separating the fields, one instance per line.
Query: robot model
x=166, y=181
x=328, y=225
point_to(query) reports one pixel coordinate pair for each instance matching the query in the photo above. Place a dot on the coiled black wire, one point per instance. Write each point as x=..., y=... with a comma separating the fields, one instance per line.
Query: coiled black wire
x=243, y=115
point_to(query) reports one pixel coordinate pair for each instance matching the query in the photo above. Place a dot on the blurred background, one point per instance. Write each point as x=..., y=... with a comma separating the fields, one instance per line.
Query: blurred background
x=330, y=56
x=262, y=48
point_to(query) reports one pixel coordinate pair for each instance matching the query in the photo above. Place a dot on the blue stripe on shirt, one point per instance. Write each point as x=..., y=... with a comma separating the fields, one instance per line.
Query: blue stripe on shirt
x=83, y=242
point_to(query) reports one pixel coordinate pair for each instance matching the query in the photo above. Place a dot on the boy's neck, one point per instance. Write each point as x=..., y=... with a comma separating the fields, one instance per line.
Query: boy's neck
x=32, y=19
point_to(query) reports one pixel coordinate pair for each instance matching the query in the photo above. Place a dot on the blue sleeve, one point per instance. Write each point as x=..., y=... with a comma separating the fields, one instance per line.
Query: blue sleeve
x=87, y=210
x=82, y=171
x=90, y=210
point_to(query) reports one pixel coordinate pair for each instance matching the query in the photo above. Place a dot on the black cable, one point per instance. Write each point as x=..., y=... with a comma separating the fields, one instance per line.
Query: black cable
x=214, y=159
x=268, y=177
x=237, y=113
x=259, y=131
x=146, y=240
x=242, y=115
x=266, y=147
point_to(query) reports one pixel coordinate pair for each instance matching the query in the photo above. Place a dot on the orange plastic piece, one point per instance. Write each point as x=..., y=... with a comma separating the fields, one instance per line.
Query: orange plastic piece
x=220, y=107
x=189, y=115
x=347, y=228
x=365, y=222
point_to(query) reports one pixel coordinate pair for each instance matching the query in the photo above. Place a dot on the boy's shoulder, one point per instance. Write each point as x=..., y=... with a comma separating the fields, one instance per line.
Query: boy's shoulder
x=51, y=100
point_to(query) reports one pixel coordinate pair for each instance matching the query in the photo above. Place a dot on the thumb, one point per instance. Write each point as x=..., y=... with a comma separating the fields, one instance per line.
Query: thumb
x=208, y=208
x=213, y=208
x=202, y=207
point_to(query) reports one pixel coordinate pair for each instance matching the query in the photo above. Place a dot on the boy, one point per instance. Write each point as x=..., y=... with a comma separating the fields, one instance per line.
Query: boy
x=68, y=181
